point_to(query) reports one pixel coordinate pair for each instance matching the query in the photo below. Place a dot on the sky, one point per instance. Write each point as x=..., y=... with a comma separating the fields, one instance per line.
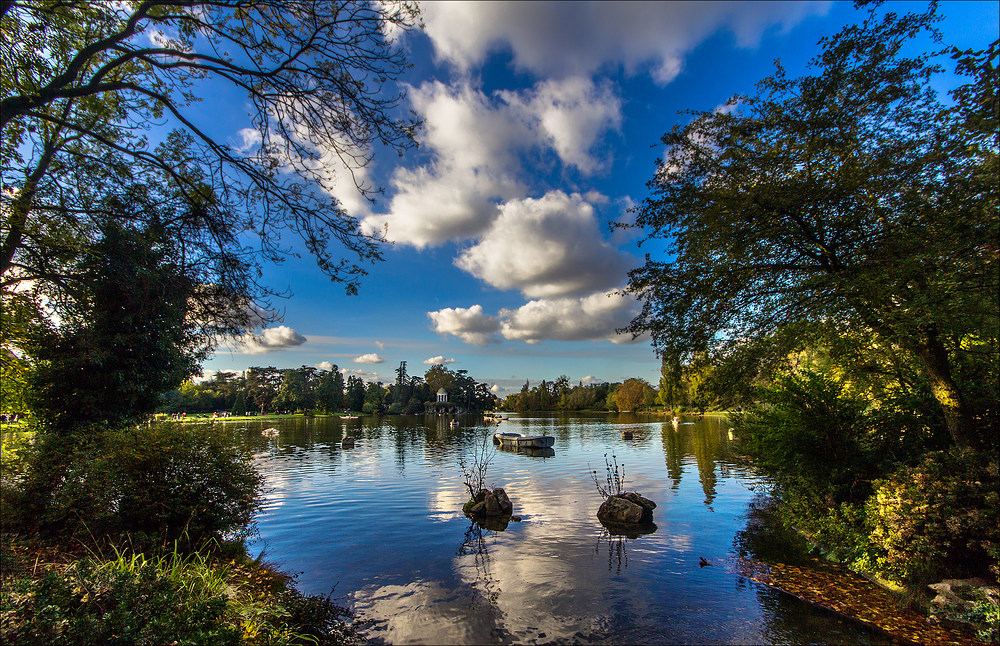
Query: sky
x=541, y=126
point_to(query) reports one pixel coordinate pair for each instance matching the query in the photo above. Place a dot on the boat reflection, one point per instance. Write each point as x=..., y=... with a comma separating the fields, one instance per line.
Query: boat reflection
x=529, y=451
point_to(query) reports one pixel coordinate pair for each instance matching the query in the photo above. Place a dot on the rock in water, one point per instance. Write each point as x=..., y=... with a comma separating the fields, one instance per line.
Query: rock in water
x=506, y=506
x=492, y=504
x=639, y=500
x=626, y=509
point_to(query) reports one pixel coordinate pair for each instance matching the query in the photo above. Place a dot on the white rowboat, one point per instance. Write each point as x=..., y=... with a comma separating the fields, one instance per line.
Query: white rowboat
x=524, y=441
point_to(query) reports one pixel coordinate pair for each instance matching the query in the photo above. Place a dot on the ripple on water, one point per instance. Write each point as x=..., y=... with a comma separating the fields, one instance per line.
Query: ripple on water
x=383, y=522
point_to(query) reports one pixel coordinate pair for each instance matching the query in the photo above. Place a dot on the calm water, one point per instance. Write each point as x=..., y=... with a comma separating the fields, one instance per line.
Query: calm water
x=382, y=522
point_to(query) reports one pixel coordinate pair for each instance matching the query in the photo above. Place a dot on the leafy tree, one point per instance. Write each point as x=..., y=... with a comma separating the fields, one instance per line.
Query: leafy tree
x=18, y=317
x=262, y=386
x=295, y=392
x=127, y=338
x=84, y=84
x=374, y=397
x=355, y=397
x=239, y=406
x=851, y=198
x=670, y=394
x=328, y=392
x=631, y=394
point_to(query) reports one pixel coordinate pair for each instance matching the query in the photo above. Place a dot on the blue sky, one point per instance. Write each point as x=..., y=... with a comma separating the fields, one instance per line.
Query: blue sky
x=542, y=124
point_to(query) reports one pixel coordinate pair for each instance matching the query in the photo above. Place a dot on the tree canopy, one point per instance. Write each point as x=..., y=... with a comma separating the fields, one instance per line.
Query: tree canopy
x=89, y=91
x=852, y=198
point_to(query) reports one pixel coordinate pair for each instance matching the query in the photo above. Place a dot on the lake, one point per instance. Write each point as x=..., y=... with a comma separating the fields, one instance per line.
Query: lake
x=381, y=524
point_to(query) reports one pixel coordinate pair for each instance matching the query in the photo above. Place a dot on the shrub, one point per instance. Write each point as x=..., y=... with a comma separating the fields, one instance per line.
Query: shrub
x=156, y=484
x=807, y=433
x=939, y=517
x=171, y=599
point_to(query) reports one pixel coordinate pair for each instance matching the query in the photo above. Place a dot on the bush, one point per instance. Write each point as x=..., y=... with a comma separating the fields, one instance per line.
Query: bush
x=172, y=599
x=156, y=484
x=808, y=434
x=941, y=517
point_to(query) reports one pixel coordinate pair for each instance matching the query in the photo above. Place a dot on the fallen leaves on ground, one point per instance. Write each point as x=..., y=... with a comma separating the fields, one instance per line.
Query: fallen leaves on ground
x=852, y=596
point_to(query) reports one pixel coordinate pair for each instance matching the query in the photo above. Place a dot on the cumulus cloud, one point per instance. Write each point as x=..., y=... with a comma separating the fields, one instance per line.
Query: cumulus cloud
x=546, y=247
x=370, y=357
x=478, y=144
x=474, y=142
x=553, y=39
x=324, y=365
x=470, y=324
x=591, y=379
x=366, y=375
x=269, y=340
x=438, y=360
x=591, y=318
x=572, y=114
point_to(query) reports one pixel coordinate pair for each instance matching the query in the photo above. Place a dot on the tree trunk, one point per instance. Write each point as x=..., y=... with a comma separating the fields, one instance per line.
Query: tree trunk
x=931, y=351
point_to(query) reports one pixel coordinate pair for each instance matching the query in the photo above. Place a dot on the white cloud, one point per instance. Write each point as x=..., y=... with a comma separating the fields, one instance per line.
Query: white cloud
x=470, y=324
x=592, y=318
x=269, y=340
x=324, y=365
x=478, y=145
x=496, y=389
x=366, y=375
x=473, y=141
x=438, y=360
x=573, y=114
x=559, y=40
x=546, y=247
x=371, y=357
x=591, y=379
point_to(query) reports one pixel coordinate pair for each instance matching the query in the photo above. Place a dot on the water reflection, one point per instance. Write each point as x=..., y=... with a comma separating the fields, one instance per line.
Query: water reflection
x=383, y=522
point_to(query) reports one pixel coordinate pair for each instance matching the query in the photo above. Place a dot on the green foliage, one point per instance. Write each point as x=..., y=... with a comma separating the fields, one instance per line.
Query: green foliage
x=811, y=436
x=940, y=517
x=171, y=599
x=152, y=484
x=117, y=603
x=849, y=199
x=631, y=394
x=127, y=338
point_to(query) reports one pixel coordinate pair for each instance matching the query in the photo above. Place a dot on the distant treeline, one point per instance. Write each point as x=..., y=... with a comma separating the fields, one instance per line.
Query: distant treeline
x=682, y=387
x=309, y=389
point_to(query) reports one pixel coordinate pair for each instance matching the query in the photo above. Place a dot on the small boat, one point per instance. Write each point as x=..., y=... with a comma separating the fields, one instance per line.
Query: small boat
x=269, y=432
x=348, y=417
x=524, y=441
x=626, y=435
x=453, y=423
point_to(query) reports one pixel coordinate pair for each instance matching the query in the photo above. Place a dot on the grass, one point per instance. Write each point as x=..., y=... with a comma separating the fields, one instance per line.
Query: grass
x=53, y=596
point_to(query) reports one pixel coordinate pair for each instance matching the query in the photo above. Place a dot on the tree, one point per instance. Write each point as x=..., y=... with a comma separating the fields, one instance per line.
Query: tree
x=670, y=393
x=355, y=397
x=84, y=84
x=849, y=199
x=126, y=339
x=262, y=386
x=329, y=390
x=631, y=395
x=374, y=397
x=438, y=377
